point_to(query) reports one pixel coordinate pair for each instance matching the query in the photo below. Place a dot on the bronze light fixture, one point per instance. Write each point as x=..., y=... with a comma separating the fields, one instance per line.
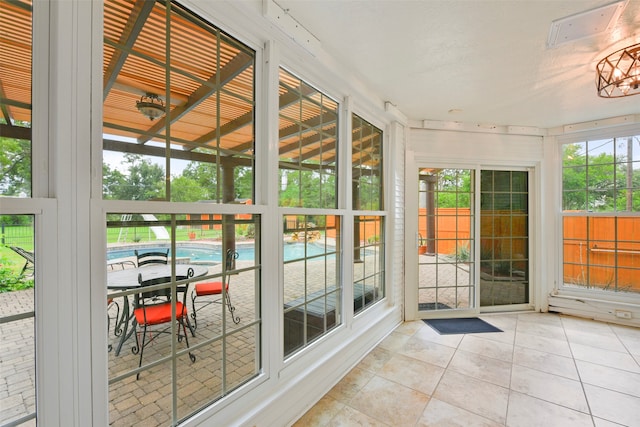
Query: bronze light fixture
x=618, y=74
x=151, y=106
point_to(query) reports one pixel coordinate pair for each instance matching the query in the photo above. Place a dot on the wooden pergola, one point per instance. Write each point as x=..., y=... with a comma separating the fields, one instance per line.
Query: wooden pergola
x=203, y=77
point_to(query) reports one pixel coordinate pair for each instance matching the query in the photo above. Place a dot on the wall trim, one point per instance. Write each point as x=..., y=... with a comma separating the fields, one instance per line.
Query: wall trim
x=596, y=309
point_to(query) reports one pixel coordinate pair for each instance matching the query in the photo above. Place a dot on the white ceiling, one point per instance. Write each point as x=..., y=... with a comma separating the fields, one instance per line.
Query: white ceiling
x=481, y=61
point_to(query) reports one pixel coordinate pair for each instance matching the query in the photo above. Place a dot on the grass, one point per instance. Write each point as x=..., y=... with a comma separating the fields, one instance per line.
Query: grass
x=10, y=267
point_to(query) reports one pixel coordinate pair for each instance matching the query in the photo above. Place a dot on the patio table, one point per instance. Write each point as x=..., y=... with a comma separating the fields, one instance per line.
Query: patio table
x=128, y=279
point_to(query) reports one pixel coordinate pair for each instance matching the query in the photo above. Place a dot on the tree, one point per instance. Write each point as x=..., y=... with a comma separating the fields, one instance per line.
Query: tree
x=15, y=167
x=185, y=189
x=144, y=180
x=454, y=188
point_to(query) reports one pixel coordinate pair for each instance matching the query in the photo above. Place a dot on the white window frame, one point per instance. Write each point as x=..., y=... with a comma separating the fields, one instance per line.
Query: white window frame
x=561, y=290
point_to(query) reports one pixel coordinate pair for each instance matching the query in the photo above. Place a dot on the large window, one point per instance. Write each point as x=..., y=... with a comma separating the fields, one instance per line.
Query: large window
x=178, y=126
x=17, y=232
x=308, y=123
x=367, y=198
x=601, y=214
x=15, y=98
x=178, y=110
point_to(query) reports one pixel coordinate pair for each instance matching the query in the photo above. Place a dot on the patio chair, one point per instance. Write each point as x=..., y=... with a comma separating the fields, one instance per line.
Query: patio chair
x=152, y=257
x=218, y=290
x=154, y=308
x=29, y=265
x=116, y=330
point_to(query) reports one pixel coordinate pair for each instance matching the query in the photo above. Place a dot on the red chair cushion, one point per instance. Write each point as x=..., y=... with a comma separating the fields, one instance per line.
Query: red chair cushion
x=156, y=314
x=210, y=288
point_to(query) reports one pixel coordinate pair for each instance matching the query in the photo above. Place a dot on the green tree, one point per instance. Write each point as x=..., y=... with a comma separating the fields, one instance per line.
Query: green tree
x=597, y=182
x=15, y=167
x=185, y=189
x=454, y=188
x=144, y=180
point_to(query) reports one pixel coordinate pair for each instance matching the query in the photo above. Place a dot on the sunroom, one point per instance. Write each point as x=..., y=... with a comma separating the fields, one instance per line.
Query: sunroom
x=303, y=216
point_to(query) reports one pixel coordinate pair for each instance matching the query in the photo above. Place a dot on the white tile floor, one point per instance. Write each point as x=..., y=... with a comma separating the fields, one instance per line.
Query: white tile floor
x=543, y=370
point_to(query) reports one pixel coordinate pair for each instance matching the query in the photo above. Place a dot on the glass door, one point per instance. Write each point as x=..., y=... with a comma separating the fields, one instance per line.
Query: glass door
x=504, y=237
x=446, y=242
x=468, y=259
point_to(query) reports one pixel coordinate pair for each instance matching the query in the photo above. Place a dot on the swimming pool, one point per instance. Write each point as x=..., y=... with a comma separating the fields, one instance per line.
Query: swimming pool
x=213, y=253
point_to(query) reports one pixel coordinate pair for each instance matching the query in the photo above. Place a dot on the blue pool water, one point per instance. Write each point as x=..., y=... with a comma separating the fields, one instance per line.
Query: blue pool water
x=214, y=253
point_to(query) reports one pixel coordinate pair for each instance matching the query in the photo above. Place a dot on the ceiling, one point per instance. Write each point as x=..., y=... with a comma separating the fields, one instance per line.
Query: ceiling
x=483, y=62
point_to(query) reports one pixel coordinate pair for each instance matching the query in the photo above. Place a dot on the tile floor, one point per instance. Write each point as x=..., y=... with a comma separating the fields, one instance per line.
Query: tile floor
x=543, y=370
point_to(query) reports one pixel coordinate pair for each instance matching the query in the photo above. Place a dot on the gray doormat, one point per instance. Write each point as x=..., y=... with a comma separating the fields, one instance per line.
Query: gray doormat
x=465, y=325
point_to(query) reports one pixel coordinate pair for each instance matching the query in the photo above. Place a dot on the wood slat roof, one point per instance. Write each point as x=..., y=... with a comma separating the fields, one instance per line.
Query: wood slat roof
x=211, y=100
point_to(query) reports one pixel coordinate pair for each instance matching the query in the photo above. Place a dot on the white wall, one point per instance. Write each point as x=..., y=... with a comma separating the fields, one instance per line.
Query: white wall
x=473, y=147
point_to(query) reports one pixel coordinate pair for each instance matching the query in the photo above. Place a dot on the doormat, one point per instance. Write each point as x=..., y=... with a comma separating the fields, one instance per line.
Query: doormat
x=432, y=306
x=465, y=325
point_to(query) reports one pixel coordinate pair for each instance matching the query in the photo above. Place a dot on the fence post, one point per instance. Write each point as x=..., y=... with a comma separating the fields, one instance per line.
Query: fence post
x=2, y=234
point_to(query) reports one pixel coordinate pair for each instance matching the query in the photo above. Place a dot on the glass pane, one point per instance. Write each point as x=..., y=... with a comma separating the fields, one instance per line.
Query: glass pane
x=600, y=152
x=181, y=131
x=216, y=298
x=312, y=293
x=15, y=98
x=368, y=267
x=602, y=253
x=308, y=148
x=445, y=221
x=17, y=317
x=504, y=244
x=366, y=161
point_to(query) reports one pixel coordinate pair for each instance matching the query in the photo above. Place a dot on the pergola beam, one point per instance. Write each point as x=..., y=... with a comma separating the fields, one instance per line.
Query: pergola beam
x=139, y=15
x=231, y=70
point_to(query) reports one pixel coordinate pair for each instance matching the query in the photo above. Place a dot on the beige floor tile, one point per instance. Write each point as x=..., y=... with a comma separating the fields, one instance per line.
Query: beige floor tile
x=527, y=411
x=320, y=414
x=630, y=338
x=487, y=347
x=442, y=414
x=529, y=369
x=412, y=373
x=607, y=341
x=609, y=378
x=581, y=324
x=541, y=318
x=349, y=417
x=476, y=396
x=429, y=334
x=483, y=368
x=351, y=384
x=604, y=357
x=507, y=336
x=428, y=351
x=394, y=341
x=376, y=359
x=390, y=402
x=506, y=322
x=550, y=345
x=410, y=328
x=545, y=362
x=613, y=406
x=541, y=329
x=599, y=422
x=551, y=388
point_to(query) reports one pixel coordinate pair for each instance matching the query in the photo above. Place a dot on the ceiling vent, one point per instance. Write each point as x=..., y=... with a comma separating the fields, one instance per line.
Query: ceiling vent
x=585, y=24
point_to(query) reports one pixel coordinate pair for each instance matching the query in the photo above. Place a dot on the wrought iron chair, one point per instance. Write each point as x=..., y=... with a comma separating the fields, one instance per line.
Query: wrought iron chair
x=153, y=307
x=218, y=290
x=29, y=258
x=117, y=329
x=152, y=257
